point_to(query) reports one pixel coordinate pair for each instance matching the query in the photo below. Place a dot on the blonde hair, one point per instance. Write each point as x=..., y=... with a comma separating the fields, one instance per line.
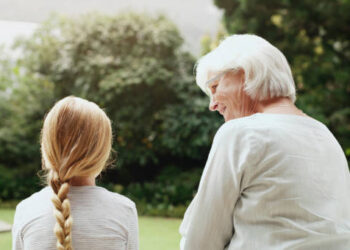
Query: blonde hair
x=266, y=69
x=76, y=141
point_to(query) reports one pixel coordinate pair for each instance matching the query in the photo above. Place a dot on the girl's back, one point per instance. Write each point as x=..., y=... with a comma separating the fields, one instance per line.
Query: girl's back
x=76, y=143
x=102, y=220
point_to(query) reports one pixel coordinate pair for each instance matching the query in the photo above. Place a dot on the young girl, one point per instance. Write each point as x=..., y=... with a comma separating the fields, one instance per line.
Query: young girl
x=76, y=141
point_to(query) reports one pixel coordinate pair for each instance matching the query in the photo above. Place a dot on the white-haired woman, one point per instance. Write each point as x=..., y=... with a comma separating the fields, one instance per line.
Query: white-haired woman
x=76, y=143
x=275, y=178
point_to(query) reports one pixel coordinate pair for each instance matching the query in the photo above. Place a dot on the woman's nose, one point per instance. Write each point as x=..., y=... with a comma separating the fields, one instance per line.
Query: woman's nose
x=213, y=105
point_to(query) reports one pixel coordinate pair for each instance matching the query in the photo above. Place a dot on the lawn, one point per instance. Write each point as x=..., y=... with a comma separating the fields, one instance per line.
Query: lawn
x=155, y=233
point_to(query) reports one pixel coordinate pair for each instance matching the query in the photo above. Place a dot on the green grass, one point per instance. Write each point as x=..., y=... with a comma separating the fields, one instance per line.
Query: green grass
x=155, y=233
x=5, y=238
x=159, y=233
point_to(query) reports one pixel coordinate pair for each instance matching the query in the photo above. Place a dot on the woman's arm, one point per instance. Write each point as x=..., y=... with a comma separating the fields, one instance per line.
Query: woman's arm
x=208, y=222
x=17, y=240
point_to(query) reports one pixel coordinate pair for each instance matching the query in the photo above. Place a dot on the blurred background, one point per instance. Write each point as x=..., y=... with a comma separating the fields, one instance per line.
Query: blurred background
x=136, y=60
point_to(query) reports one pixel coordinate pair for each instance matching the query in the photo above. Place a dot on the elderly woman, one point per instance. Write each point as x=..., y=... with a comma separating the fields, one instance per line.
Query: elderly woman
x=275, y=178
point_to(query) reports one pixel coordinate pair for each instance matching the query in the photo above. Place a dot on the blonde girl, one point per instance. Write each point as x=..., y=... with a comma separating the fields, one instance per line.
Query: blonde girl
x=76, y=142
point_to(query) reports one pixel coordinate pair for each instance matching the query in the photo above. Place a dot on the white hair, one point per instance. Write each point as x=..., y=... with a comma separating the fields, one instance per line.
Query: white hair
x=267, y=72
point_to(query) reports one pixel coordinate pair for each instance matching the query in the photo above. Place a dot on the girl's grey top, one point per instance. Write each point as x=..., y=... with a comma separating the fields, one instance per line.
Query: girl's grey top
x=271, y=181
x=101, y=220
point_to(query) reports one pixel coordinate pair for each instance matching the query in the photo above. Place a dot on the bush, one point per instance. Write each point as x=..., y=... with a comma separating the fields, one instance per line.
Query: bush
x=24, y=99
x=168, y=195
x=160, y=210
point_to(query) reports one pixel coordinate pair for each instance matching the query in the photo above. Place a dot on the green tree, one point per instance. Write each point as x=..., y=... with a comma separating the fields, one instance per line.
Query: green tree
x=131, y=65
x=24, y=99
x=126, y=63
x=314, y=36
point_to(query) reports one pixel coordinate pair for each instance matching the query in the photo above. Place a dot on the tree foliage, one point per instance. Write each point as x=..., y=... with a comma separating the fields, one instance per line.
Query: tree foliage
x=24, y=99
x=131, y=65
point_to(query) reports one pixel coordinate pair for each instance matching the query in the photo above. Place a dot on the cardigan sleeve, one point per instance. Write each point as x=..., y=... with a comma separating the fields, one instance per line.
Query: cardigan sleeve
x=17, y=240
x=208, y=222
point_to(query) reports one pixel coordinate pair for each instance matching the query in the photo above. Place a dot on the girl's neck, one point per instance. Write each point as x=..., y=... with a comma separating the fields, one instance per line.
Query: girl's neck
x=82, y=181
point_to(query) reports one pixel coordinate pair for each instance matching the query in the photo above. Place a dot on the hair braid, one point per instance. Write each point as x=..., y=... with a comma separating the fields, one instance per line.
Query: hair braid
x=76, y=142
x=64, y=219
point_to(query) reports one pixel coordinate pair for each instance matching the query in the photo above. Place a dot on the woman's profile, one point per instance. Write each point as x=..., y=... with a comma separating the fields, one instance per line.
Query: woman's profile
x=72, y=212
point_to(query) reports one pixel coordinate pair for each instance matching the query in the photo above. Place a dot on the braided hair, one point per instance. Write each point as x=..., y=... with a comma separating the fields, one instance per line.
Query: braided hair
x=76, y=141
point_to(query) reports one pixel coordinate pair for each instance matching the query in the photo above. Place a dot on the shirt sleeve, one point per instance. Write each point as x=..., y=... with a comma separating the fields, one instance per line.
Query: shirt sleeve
x=133, y=239
x=208, y=222
x=17, y=240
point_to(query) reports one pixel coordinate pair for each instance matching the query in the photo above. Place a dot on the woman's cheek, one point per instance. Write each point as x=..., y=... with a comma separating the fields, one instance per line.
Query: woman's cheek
x=221, y=97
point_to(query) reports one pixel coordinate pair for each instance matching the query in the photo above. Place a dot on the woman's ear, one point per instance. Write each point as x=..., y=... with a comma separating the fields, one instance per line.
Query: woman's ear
x=241, y=75
x=238, y=75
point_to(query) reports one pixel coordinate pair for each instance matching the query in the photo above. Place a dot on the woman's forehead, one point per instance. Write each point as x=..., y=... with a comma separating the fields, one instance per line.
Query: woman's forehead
x=214, y=76
x=211, y=74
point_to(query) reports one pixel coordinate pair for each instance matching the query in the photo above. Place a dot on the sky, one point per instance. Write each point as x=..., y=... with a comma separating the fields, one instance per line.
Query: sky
x=194, y=18
x=9, y=30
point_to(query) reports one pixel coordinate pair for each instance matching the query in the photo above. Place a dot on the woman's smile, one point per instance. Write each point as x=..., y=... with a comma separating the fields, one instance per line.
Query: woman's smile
x=222, y=109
